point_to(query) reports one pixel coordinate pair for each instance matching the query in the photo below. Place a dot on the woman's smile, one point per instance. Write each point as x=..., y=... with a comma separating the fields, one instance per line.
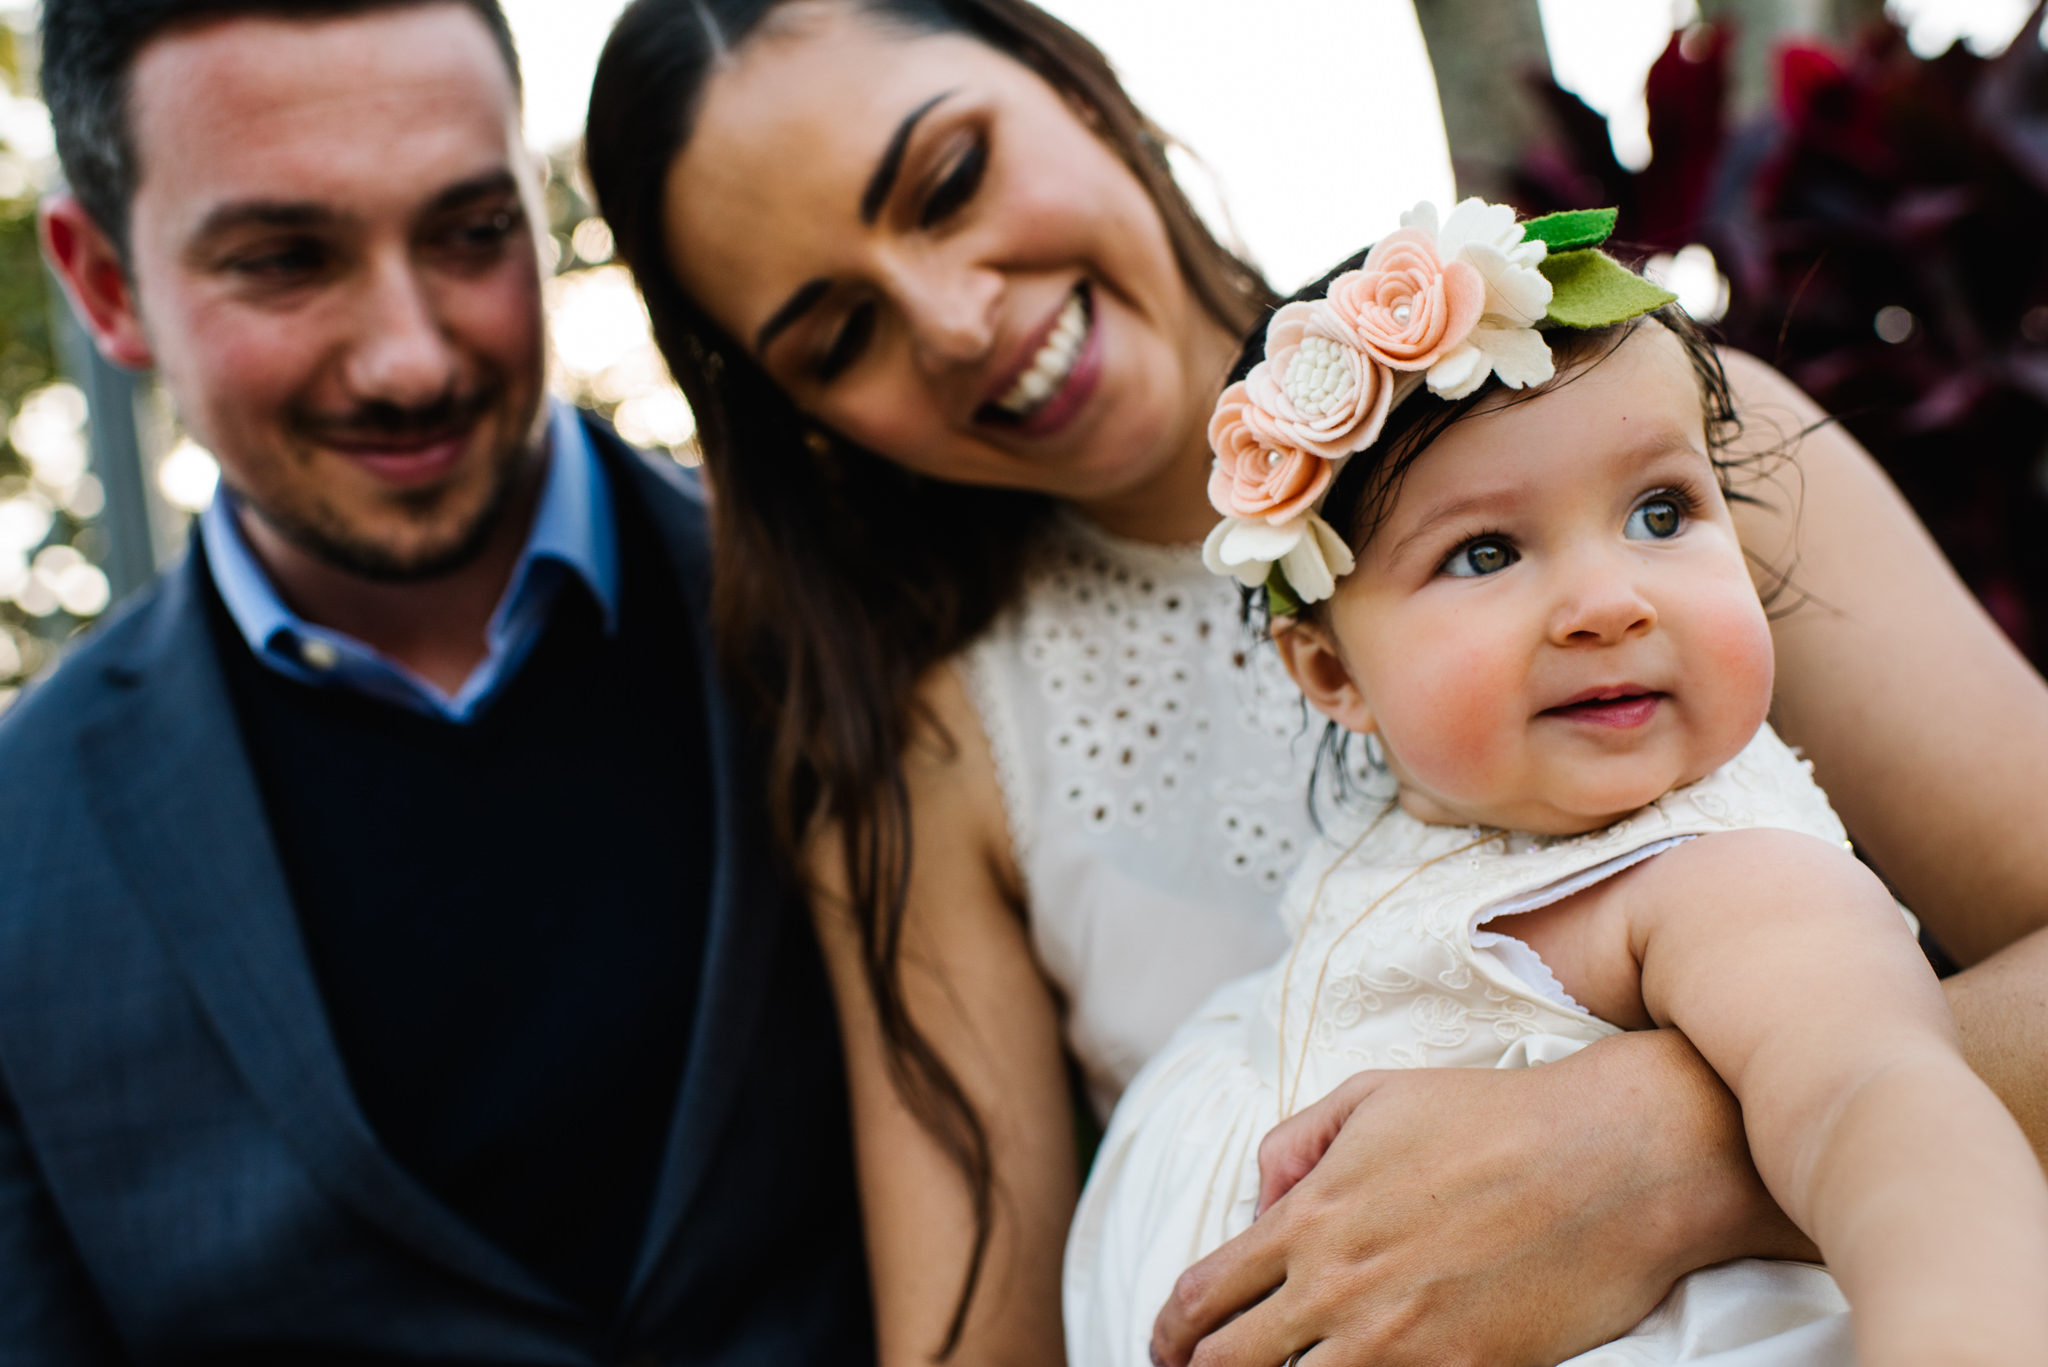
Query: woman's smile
x=1062, y=366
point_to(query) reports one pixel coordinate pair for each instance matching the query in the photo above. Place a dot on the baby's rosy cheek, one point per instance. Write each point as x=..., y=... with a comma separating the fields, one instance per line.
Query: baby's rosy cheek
x=1449, y=734
x=1737, y=643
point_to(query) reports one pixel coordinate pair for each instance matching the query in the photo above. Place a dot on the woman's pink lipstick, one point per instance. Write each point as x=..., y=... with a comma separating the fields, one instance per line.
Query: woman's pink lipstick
x=1622, y=707
x=1059, y=407
x=1079, y=387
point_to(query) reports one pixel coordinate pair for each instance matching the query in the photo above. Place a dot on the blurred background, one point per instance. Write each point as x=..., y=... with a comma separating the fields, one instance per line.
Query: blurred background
x=1856, y=190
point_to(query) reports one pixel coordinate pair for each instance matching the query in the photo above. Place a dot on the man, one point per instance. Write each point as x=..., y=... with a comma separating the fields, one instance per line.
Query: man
x=394, y=964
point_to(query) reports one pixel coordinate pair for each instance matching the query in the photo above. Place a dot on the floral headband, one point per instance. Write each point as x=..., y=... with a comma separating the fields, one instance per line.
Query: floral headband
x=1444, y=306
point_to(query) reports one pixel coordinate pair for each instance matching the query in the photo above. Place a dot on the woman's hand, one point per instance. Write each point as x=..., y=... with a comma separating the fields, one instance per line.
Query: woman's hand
x=1471, y=1216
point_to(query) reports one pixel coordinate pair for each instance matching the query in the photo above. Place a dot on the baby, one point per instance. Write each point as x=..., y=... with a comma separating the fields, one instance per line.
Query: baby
x=1529, y=595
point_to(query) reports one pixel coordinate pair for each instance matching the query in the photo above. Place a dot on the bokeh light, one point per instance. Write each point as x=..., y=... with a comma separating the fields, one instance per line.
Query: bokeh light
x=187, y=476
x=1693, y=276
x=604, y=352
x=1984, y=26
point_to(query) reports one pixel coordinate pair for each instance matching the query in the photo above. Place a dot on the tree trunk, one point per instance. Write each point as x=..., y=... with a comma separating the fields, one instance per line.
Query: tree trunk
x=1482, y=50
x=1762, y=25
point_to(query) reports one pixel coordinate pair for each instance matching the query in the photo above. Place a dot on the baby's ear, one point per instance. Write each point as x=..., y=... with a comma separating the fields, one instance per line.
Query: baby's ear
x=1312, y=661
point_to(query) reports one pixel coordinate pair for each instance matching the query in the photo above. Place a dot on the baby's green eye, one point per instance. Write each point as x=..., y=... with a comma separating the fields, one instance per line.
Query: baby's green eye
x=1477, y=558
x=1655, y=520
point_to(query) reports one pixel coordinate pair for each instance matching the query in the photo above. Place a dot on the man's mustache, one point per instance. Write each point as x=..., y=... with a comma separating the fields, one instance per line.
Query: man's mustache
x=379, y=422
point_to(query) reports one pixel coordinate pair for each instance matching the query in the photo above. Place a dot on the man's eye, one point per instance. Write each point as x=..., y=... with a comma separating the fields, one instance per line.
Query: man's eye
x=957, y=188
x=1656, y=520
x=847, y=346
x=279, y=263
x=485, y=234
x=1488, y=555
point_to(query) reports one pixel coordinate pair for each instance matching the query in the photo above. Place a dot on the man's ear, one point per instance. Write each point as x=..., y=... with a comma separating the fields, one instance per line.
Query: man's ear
x=95, y=280
x=1310, y=654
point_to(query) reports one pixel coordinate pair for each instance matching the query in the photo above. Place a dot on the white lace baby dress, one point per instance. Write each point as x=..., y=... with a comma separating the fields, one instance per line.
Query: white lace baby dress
x=1387, y=970
x=1154, y=760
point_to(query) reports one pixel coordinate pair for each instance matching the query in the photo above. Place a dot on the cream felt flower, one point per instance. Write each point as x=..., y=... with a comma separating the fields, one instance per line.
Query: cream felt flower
x=1317, y=562
x=1316, y=391
x=1519, y=355
x=1310, y=554
x=1255, y=474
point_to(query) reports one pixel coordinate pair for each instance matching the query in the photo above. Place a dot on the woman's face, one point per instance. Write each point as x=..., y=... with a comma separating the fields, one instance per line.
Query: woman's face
x=930, y=250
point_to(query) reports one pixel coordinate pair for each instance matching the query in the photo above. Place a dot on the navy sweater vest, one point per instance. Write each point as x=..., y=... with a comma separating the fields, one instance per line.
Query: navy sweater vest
x=507, y=918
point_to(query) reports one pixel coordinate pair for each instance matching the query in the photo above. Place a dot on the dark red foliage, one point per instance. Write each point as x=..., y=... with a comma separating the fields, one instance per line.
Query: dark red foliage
x=1878, y=182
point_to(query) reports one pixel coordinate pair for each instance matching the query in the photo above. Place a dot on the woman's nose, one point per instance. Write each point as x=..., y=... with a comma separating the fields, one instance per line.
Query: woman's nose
x=952, y=315
x=1601, y=604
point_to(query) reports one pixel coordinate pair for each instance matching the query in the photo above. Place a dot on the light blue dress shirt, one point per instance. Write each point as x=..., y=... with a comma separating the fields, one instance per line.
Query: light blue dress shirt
x=575, y=532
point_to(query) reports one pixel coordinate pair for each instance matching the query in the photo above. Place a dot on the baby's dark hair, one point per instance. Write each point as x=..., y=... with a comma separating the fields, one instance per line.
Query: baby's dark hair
x=1364, y=491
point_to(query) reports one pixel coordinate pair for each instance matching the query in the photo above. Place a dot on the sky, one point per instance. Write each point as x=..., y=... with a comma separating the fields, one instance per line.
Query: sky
x=1311, y=85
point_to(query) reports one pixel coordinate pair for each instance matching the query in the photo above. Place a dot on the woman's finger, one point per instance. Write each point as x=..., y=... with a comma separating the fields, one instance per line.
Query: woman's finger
x=1267, y=1335
x=1292, y=1148
x=1235, y=1279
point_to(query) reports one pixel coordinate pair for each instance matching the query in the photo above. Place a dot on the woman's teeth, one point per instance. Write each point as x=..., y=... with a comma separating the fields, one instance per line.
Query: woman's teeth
x=1050, y=367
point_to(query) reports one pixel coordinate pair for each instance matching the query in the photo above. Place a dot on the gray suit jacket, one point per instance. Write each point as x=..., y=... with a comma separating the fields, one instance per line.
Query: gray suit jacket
x=184, y=1175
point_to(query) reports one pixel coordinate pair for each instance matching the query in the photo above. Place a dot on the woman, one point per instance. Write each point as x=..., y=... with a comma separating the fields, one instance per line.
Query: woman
x=952, y=337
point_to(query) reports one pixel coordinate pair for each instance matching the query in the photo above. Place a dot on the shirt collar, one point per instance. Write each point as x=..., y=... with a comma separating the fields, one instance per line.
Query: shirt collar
x=574, y=528
x=575, y=525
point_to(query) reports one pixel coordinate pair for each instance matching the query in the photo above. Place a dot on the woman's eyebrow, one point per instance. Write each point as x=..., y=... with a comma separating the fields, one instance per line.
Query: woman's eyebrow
x=796, y=306
x=884, y=179
x=872, y=199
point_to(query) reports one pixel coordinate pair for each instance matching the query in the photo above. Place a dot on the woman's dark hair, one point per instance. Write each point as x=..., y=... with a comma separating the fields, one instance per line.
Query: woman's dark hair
x=1364, y=492
x=841, y=579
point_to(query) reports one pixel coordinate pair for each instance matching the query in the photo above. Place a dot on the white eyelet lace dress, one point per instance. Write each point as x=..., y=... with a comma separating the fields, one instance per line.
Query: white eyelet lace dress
x=1388, y=970
x=1154, y=759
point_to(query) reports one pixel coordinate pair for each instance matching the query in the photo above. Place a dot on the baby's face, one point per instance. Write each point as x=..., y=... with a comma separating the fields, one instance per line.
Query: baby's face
x=1556, y=625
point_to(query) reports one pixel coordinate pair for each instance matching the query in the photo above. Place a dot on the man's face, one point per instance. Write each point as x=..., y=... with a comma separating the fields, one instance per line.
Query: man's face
x=333, y=262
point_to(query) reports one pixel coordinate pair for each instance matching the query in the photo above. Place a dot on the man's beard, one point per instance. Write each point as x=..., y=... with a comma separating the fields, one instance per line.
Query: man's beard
x=324, y=535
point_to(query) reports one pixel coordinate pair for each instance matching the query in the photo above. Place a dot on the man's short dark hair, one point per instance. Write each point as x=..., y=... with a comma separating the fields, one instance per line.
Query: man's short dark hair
x=89, y=49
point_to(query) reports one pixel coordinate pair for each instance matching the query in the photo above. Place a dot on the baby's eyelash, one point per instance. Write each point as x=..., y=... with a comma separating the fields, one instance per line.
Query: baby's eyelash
x=1465, y=545
x=1490, y=534
x=1685, y=496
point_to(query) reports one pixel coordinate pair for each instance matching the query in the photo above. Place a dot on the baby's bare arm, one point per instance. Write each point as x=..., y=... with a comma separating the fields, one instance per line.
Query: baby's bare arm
x=1788, y=966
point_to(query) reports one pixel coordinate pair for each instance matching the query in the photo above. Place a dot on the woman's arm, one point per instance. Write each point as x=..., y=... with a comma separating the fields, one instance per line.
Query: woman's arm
x=1785, y=963
x=971, y=986
x=1928, y=730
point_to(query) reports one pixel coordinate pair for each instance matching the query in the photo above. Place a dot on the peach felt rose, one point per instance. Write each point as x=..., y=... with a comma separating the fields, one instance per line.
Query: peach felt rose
x=1316, y=391
x=1407, y=306
x=1255, y=476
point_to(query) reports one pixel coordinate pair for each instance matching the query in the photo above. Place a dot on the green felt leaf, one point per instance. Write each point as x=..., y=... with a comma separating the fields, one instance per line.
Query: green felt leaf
x=1591, y=289
x=1280, y=599
x=1571, y=230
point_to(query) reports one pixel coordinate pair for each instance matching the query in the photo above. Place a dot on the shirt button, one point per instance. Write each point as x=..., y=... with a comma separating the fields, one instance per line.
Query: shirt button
x=319, y=655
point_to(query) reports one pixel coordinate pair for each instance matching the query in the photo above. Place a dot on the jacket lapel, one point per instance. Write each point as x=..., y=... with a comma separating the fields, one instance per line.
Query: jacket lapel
x=171, y=782
x=747, y=892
